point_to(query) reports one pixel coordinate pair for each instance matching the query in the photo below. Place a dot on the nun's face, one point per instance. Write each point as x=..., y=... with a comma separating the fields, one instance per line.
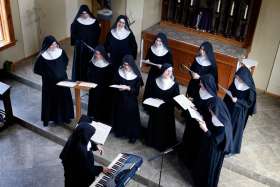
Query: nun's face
x=84, y=15
x=121, y=24
x=158, y=42
x=53, y=46
x=98, y=55
x=126, y=66
x=202, y=51
x=168, y=73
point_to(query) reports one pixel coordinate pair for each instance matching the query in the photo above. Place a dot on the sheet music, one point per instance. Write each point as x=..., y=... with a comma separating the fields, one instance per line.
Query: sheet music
x=88, y=84
x=151, y=63
x=117, y=86
x=153, y=102
x=101, y=133
x=183, y=101
x=67, y=84
x=195, y=114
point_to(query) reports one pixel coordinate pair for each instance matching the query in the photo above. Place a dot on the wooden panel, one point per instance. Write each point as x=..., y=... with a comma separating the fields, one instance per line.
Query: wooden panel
x=184, y=53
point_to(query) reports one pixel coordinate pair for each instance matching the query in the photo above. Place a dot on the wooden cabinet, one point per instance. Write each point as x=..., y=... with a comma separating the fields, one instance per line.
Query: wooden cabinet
x=184, y=53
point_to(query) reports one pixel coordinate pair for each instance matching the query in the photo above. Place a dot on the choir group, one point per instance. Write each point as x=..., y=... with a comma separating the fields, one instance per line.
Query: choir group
x=205, y=142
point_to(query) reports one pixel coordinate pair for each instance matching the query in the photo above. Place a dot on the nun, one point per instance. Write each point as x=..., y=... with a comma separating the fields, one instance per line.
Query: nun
x=161, y=132
x=100, y=98
x=204, y=63
x=77, y=157
x=159, y=53
x=51, y=65
x=120, y=41
x=241, y=105
x=126, y=115
x=215, y=143
x=85, y=32
x=192, y=134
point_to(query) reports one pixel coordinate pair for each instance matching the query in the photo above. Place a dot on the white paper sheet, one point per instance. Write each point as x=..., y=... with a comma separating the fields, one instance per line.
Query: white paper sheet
x=153, y=102
x=117, y=86
x=183, y=101
x=67, y=84
x=88, y=84
x=101, y=133
x=195, y=114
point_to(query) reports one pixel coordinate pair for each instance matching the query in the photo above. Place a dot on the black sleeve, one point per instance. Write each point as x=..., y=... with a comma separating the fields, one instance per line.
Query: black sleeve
x=38, y=66
x=134, y=90
x=93, y=146
x=133, y=45
x=73, y=33
x=247, y=102
x=107, y=43
x=91, y=168
x=170, y=58
x=98, y=31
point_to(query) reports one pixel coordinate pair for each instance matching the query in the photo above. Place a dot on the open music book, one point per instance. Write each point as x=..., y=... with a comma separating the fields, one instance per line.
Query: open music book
x=183, y=101
x=101, y=132
x=67, y=84
x=153, y=102
x=87, y=84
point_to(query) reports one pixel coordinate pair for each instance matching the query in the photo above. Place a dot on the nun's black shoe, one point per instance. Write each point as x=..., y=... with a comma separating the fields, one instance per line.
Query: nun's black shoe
x=45, y=123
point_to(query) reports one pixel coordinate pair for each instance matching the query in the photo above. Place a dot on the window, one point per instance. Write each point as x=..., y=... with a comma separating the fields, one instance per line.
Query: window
x=7, y=37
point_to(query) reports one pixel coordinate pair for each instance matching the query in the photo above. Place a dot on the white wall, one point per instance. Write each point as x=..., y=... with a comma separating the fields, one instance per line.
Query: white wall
x=15, y=52
x=274, y=83
x=265, y=42
x=134, y=11
x=151, y=13
x=30, y=15
x=34, y=19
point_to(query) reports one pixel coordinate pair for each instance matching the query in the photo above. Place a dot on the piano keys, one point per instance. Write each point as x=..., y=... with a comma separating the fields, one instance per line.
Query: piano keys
x=123, y=167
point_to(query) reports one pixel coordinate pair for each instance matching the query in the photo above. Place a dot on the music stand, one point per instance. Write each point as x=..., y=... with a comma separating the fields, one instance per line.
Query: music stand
x=161, y=154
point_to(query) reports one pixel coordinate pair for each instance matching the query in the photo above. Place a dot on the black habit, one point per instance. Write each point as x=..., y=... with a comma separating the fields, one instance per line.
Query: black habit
x=83, y=37
x=154, y=58
x=201, y=70
x=57, y=104
x=100, y=98
x=244, y=106
x=118, y=48
x=214, y=144
x=77, y=159
x=193, y=133
x=161, y=132
x=126, y=115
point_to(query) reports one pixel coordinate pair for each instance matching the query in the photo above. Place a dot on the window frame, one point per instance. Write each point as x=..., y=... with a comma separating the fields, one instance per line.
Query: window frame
x=6, y=25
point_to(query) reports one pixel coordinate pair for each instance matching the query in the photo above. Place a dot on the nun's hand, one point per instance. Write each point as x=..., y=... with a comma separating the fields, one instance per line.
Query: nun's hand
x=234, y=99
x=195, y=75
x=100, y=149
x=106, y=170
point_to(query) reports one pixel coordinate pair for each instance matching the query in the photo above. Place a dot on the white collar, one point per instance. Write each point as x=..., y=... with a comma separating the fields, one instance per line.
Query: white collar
x=203, y=60
x=127, y=75
x=164, y=83
x=159, y=50
x=242, y=86
x=204, y=94
x=52, y=54
x=120, y=34
x=216, y=122
x=87, y=21
x=99, y=63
